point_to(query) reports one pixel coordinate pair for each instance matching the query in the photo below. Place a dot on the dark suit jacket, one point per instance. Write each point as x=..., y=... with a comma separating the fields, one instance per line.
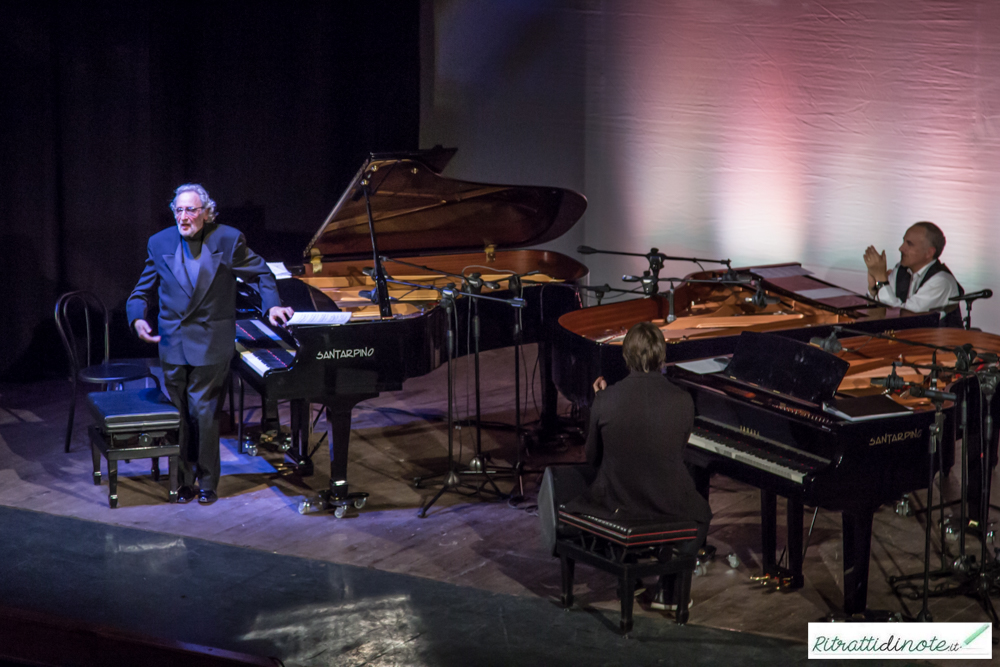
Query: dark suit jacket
x=199, y=328
x=638, y=430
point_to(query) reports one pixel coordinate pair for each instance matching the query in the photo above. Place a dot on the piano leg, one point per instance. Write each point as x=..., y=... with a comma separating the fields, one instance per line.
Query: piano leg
x=790, y=577
x=794, y=544
x=338, y=425
x=857, y=554
x=299, y=451
x=768, y=532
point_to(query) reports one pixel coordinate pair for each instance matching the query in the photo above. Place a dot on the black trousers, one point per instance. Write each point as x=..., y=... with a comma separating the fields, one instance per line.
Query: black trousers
x=197, y=392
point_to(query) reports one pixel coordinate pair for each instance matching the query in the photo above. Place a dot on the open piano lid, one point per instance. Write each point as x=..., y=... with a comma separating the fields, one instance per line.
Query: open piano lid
x=416, y=210
x=786, y=366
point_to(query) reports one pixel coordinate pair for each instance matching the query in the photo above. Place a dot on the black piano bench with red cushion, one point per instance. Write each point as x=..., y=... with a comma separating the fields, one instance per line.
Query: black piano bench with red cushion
x=631, y=549
x=133, y=424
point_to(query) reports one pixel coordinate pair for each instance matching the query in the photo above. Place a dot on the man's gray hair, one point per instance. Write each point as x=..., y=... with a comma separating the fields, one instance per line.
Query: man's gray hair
x=934, y=236
x=202, y=193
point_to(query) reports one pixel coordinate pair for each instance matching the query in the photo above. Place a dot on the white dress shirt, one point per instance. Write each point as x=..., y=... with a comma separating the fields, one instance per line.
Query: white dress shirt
x=933, y=294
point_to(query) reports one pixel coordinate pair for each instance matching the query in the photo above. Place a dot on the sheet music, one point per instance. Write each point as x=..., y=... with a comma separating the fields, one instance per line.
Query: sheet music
x=705, y=366
x=320, y=318
x=279, y=270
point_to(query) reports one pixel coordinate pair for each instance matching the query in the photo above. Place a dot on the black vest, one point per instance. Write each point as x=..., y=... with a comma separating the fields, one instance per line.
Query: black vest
x=952, y=318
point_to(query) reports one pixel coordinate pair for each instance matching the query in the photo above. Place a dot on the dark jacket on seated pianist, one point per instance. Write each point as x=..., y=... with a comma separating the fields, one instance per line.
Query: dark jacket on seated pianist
x=638, y=430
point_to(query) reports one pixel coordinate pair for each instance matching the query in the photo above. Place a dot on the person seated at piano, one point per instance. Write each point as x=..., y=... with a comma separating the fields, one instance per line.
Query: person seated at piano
x=191, y=269
x=920, y=282
x=639, y=428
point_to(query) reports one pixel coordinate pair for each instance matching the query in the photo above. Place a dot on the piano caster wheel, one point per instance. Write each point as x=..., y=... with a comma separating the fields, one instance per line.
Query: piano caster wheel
x=250, y=449
x=903, y=506
x=733, y=560
x=306, y=506
x=700, y=570
x=285, y=444
x=416, y=482
x=360, y=502
x=340, y=511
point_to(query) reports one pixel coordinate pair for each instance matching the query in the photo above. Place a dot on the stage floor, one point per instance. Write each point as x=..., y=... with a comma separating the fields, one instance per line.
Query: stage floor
x=468, y=541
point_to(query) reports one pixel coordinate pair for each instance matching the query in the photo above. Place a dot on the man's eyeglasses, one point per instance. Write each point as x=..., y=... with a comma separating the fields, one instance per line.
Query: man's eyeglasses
x=191, y=210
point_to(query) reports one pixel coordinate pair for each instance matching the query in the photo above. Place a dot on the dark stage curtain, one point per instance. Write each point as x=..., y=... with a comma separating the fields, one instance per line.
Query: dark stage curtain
x=106, y=107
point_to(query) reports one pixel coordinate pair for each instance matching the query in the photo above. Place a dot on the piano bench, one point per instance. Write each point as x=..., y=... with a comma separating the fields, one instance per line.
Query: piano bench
x=630, y=549
x=133, y=424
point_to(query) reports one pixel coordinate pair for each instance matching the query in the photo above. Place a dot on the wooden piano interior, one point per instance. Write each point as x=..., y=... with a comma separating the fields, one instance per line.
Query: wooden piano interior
x=702, y=311
x=343, y=280
x=872, y=358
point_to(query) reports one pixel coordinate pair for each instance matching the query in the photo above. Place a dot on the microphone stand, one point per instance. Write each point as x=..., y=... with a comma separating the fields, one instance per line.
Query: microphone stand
x=452, y=481
x=473, y=285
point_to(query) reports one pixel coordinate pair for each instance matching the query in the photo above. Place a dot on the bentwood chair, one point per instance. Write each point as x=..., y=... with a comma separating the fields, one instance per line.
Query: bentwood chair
x=82, y=320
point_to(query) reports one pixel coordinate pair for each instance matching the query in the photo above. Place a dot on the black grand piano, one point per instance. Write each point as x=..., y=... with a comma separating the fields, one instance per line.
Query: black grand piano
x=802, y=423
x=422, y=218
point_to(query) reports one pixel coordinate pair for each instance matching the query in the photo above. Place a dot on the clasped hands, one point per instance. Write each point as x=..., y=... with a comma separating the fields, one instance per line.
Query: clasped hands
x=877, y=266
x=277, y=316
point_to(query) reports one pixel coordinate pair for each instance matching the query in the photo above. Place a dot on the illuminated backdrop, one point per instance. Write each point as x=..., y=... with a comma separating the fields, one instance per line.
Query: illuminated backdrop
x=762, y=131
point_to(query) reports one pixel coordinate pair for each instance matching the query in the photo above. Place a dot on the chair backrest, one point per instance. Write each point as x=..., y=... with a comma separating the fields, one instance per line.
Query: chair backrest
x=82, y=320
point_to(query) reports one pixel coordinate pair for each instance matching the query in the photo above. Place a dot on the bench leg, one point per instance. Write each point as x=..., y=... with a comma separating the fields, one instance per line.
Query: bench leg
x=96, y=454
x=567, y=567
x=113, y=483
x=627, y=585
x=172, y=467
x=682, y=597
x=155, y=472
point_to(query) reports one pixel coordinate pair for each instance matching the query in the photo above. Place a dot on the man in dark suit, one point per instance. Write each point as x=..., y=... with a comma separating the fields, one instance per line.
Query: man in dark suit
x=192, y=270
x=635, y=451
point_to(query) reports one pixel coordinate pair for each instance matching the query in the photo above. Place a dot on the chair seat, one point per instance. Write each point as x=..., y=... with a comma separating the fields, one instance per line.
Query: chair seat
x=632, y=532
x=112, y=371
x=133, y=411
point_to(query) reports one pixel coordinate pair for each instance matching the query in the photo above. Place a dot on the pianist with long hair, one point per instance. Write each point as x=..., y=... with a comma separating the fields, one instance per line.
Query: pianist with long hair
x=635, y=452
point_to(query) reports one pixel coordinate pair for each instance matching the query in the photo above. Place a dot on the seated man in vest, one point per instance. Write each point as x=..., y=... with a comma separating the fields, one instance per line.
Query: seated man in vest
x=920, y=282
x=635, y=451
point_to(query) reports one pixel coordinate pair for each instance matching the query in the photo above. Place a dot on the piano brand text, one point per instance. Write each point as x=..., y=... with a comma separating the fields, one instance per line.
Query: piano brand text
x=346, y=354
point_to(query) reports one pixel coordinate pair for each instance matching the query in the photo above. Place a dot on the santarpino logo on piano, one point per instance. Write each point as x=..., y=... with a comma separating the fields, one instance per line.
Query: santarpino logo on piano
x=889, y=438
x=346, y=354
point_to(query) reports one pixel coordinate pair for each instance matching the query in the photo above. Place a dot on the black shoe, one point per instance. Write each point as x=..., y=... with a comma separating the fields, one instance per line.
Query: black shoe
x=185, y=494
x=207, y=497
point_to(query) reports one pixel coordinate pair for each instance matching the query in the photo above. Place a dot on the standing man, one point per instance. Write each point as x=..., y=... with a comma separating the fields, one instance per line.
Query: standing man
x=192, y=270
x=920, y=282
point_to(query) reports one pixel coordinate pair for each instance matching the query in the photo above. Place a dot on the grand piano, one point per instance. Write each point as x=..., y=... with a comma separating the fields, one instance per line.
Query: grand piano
x=805, y=424
x=402, y=203
x=709, y=313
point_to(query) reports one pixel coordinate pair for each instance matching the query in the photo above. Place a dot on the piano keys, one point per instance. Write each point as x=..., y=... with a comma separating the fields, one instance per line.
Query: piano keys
x=768, y=420
x=710, y=317
x=418, y=217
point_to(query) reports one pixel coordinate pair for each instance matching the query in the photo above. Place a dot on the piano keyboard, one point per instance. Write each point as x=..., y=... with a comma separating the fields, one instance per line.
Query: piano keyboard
x=262, y=349
x=785, y=464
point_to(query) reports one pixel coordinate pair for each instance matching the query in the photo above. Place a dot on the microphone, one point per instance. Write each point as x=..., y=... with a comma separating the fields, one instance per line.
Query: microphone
x=892, y=382
x=370, y=294
x=489, y=284
x=829, y=344
x=761, y=299
x=368, y=271
x=972, y=296
x=918, y=391
x=585, y=250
